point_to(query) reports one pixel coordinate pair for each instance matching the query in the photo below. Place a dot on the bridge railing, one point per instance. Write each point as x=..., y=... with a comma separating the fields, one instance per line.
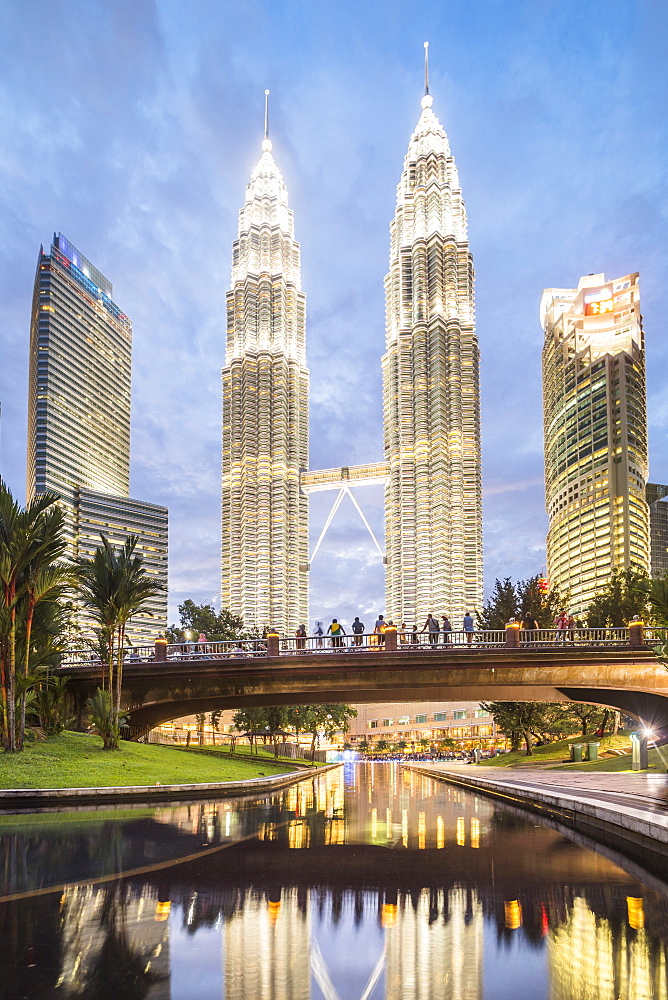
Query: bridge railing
x=390, y=641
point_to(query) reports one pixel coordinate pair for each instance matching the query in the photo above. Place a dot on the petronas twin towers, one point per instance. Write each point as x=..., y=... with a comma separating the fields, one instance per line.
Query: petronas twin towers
x=431, y=402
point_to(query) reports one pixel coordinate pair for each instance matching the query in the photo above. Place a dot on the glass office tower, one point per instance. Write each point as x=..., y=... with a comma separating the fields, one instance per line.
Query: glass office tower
x=595, y=432
x=79, y=416
x=657, y=498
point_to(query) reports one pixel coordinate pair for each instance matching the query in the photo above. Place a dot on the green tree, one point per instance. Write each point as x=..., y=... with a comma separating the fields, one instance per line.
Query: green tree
x=518, y=721
x=658, y=603
x=381, y=745
x=217, y=626
x=627, y=594
x=516, y=600
x=251, y=721
x=532, y=601
x=363, y=746
x=214, y=721
x=200, y=719
x=115, y=586
x=589, y=717
x=30, y=540
x=501, y=606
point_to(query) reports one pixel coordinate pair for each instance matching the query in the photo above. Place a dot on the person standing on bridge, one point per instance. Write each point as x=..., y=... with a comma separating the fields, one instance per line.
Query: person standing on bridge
x=446, y=629
x=358, y=631
x=379, y=629
x=468, y=627
x=431, y=625
x=529, y=624
x=561, y=625
x=301, y=638
x=336, y=631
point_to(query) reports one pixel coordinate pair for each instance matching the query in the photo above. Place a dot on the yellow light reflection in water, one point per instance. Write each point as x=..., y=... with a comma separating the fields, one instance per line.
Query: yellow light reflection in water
x=388, y=823
x=634, y=906
x=422, y=831
x=374, y=824
x=513, y=914
x=475, y=831
x=298, y=834
x=404, y=827
x=461, y=831
x=440, y=832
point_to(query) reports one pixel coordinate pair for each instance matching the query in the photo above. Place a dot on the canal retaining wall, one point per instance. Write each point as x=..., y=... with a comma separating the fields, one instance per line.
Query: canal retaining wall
x=18, y=799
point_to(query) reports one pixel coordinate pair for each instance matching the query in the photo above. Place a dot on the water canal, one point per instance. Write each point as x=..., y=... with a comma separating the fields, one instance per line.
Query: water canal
x=364, y=883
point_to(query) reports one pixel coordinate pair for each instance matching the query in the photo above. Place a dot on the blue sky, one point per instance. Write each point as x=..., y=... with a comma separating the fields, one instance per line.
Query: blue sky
x=132, y=127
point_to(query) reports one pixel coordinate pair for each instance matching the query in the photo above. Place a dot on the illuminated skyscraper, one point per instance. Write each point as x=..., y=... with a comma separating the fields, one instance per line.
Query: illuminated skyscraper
x=657, y=498
x=265, y=413
x=595, y=429
x=433, y=499
x=79, y=417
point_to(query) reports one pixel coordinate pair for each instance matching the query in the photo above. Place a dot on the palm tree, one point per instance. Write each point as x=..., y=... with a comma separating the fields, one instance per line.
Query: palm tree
x=115, y=586
x=28, y=536
x=45, y=579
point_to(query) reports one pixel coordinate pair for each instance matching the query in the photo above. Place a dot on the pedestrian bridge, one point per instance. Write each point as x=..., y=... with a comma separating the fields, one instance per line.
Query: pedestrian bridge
x=617, y=668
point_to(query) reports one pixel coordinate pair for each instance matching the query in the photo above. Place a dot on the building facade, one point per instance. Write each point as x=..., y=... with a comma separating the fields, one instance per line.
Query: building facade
x=79, y=416
x=466, y=723
x=265, y=414
x=657, y=500
x=431, y=397
x=595, y=434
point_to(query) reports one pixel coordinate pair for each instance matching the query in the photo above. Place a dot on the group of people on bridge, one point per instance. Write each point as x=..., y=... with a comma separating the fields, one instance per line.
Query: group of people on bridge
x=433, y=628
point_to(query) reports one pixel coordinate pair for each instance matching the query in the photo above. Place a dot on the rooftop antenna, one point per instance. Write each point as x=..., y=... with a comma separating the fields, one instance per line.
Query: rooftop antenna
x=427, y=99
x=266, y=143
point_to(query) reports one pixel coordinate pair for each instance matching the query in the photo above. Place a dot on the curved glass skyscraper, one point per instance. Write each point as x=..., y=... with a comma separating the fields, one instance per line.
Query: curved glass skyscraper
x=595, y=428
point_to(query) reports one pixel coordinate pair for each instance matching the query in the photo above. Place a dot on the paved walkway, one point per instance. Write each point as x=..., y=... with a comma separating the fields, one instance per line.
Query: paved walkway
x=649, y=789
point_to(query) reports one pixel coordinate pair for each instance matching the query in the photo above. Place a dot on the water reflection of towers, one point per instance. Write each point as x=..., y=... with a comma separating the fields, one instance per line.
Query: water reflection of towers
x=433, y=945
x=434, y=948
x=589, y=957
x=266, y=949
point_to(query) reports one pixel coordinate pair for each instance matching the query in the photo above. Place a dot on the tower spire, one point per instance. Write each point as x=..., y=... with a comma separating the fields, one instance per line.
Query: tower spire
x=427, y=100
x=266, y=142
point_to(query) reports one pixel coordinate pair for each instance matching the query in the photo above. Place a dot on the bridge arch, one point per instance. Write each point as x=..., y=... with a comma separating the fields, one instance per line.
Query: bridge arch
x=621, y=677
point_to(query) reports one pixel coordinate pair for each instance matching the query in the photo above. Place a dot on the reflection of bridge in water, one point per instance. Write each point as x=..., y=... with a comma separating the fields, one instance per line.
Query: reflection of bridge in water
x=612, y=667
x=424, y=863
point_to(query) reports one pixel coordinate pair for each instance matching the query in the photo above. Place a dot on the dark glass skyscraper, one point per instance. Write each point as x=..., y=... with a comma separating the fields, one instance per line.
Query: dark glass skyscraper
x=79, y=415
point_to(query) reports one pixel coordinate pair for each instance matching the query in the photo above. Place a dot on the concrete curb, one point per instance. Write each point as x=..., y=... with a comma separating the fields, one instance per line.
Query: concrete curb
x=13, y=798
x=630, y=828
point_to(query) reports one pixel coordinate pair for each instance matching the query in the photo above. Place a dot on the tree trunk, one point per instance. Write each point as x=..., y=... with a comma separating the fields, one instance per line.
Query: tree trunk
x=11, y=681
x=527, y=741
x=26, y=666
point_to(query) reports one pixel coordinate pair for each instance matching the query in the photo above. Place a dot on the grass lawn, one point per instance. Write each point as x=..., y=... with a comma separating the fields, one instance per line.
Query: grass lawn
x=553, y=756
x=266, y=753
x=73, y=760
